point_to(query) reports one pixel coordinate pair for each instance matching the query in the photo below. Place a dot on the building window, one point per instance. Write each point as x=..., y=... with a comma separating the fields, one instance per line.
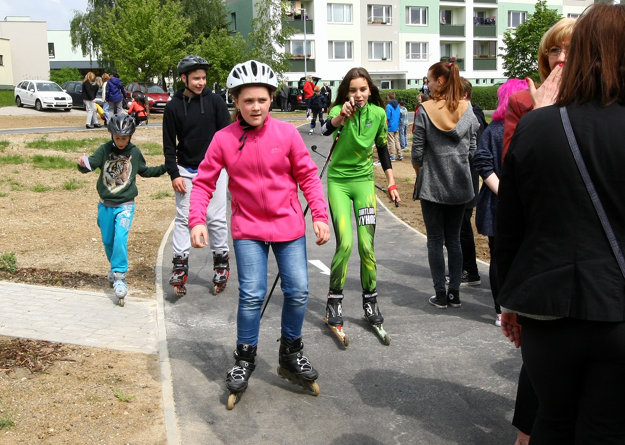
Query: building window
x=233, y=21
x=571, y=15
x=416, y=50
x=445, y=49
x=296, y=48
x=340, y=50
x=339, y=13
x=51, y=50
x=379, y=14
x=386, y=84
x=380, y=51
x=416, y=15
x=516, y=18
x=485, y=49
x=446, y=17
x=1, y=60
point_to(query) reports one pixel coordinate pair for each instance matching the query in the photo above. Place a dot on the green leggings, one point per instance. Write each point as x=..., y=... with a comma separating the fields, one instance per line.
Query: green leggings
x=341, y=196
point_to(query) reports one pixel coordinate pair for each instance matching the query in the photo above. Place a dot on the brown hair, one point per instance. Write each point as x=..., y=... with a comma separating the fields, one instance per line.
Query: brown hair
x=451, y=90
x=342, y=94
x=105, y=77
x=468, y=88
x=555, y=36
x=89, y=77
x=595, y=67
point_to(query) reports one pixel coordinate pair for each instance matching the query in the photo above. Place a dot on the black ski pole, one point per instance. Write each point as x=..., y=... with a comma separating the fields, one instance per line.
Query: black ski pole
x=384, y=190
x=323, y=170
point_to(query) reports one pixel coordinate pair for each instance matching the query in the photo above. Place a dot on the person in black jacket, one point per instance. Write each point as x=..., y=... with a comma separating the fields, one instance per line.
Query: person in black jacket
x=89, y=91
x=190, y=121
x=317, y=106
x=562, y=292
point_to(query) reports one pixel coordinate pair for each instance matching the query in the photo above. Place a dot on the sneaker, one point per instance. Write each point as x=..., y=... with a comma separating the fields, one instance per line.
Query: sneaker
x=498, y=320
x=120, y=284
x=438, y=301
x=400, y=158
x=311, y=131
x=453, y=298
x=376, y=163
x=393, y=158
x=470, y=280
x=110, y=278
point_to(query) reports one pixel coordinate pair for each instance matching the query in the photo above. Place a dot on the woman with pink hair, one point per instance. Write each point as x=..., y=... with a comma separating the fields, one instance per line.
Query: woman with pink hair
x=487, y=162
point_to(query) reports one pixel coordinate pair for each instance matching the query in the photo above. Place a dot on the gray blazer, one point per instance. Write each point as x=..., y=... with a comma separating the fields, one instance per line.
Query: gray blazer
x=444, y=155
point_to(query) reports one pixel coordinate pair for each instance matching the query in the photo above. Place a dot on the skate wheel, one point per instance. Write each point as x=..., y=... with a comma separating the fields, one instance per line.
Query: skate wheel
x=232, y=399
x=217, y=288
x=121, y=302
x=387, y=340
x=314, y=389
x=180, y=291
x=346, y=340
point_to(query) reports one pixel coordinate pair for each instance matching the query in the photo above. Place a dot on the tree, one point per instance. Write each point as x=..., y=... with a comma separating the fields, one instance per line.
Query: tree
x=65, y=74
x=146, y=37
x=207, y=16
x=87, y=30
x=520, y=59
x=268, y=36
x=223, y=51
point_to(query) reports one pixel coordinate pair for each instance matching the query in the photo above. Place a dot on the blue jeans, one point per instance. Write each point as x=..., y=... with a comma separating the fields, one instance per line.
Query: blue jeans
x=403, y=138
x=114, y=224
x=251, y=257
x=442, y=224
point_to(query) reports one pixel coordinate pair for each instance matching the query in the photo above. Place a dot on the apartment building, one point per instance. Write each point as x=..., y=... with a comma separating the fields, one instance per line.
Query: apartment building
x=397, y=40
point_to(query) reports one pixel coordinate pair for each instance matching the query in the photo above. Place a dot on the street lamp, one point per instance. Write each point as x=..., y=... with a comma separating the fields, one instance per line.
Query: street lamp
x=303, y=13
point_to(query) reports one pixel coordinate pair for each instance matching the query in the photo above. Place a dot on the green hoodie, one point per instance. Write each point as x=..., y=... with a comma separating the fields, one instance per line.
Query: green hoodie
x=118, y=171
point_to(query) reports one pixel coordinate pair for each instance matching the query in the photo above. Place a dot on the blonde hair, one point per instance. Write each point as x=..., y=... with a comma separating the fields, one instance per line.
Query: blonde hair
x=555, y=36
x=98, y=81
x=89, y=77
x=105, y=77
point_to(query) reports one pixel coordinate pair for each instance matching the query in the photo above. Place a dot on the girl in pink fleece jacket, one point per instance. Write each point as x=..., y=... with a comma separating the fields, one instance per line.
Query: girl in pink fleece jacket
x=266, y=161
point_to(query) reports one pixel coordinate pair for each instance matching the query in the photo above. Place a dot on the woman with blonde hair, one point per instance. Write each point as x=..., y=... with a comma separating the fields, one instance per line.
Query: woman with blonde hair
x=89, y=91
x=552, y=53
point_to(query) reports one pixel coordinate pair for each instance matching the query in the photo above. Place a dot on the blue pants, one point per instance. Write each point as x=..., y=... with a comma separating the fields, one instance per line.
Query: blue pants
x=251, y=256
x=114, y=224
x=403, y=138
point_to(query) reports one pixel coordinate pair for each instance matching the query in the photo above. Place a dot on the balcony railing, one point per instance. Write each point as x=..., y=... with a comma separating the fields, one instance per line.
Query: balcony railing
x=484, y=30
x=484, y=63
x=296, y=65
x=452, y=30
x=379, y=20
x=298, y=25
x=457, y=61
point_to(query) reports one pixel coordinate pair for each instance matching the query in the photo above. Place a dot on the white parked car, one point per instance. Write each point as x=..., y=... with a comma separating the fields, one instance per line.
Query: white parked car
x=42, y=94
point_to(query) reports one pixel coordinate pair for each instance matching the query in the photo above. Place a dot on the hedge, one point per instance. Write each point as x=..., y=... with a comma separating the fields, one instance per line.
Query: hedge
x=485, y=97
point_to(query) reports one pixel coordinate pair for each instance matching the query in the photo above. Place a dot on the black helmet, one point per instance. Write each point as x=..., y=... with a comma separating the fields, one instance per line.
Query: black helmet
x=138, y=96
x=121, y=125
x=192, y=63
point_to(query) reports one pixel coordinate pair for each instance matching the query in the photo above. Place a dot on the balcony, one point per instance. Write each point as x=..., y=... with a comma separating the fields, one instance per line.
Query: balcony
x=485, y=63
x=459, y=62
x=452, y=30
x=484, y=31
x=485, y=1
x=296, y=65
x=298, y=25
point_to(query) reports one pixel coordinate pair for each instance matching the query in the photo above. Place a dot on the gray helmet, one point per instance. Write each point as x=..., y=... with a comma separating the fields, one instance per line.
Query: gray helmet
x=121, y=125
x=192, y=63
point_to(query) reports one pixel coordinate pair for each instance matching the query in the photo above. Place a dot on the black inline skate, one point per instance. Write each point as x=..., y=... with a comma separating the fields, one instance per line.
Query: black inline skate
x=221, y=265
x=179, y=274
x=374, y=316
x=334, y=315
x=295, y=367
x=237, y=377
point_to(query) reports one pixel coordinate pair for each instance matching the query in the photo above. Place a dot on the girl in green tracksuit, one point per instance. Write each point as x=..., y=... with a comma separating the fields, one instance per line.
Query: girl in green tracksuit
x=357, y=112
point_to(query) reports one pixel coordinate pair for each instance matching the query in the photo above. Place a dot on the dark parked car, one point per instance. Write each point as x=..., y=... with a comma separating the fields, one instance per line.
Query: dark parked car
x=74, y=89
x=296, y=96
x=157, y=96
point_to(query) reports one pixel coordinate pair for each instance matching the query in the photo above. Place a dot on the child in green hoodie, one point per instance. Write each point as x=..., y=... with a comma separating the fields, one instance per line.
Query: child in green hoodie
x=119, y=162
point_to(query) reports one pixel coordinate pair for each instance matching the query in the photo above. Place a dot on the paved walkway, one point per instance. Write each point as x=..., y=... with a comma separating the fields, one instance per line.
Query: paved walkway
x=78, y=317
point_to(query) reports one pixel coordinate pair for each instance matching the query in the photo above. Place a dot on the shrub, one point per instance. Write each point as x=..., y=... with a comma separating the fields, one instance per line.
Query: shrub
x=8, y=262
x=485, y=97
x=65, y=74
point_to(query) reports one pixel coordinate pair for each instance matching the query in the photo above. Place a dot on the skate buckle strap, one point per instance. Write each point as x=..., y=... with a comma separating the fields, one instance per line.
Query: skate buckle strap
x=303, y=362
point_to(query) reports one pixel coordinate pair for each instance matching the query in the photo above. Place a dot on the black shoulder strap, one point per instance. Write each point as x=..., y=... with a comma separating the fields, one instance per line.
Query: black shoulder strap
x=607, y=228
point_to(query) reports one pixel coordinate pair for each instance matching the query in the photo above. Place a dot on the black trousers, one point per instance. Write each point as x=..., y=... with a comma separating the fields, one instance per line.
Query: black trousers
x=577, y=369
x=467, y=243
x=492, y=273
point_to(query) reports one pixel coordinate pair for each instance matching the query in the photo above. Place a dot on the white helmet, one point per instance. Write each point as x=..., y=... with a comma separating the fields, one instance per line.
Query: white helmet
x=252, y=72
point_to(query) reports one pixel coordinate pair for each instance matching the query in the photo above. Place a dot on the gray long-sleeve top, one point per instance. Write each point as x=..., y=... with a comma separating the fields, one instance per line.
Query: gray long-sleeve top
x=443, y=153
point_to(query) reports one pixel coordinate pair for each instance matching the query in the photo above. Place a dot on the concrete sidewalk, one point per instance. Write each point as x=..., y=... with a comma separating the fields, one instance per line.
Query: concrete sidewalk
x=78, y=317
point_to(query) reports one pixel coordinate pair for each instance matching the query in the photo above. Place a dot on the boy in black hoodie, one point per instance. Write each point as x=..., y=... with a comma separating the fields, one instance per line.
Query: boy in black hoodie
x=190, y=121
